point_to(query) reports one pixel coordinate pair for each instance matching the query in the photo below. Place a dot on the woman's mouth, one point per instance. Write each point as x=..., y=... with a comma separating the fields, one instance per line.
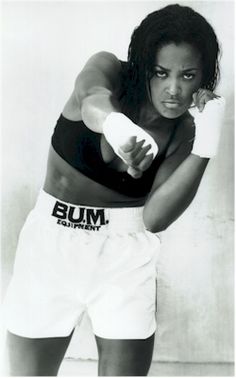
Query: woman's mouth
x=171, y=104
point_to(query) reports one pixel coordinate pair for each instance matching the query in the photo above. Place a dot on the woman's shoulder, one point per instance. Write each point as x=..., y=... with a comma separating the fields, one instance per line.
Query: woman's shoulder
x=185, y=125
x=103, y=60
x=124, y=64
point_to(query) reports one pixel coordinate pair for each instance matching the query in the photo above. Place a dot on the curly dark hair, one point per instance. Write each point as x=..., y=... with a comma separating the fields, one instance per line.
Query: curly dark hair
x=173, y=23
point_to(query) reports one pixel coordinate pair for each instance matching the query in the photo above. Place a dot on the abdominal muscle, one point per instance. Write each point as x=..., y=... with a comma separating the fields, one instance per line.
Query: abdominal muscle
x=67, y=184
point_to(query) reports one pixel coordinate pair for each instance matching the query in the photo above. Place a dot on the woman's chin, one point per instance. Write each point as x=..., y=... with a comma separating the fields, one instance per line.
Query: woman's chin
x=173, y=113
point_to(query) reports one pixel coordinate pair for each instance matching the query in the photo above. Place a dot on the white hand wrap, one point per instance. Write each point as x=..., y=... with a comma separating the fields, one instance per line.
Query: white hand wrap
x=208, y=127
x=118, y=128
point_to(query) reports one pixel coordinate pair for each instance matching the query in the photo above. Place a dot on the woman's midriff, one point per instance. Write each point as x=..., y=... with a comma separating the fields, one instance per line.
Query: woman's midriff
x=67, y=184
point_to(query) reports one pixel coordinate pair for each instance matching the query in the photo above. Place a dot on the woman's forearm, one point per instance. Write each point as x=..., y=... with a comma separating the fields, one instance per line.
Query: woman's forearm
x=97, y=106
x=167, y=202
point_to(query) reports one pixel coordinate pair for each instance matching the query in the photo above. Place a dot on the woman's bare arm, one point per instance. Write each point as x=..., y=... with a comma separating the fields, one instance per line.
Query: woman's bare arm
x=96, y=87
x=174, y=187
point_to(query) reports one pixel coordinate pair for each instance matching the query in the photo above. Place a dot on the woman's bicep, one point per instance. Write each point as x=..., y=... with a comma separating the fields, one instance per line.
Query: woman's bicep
x=100, y=73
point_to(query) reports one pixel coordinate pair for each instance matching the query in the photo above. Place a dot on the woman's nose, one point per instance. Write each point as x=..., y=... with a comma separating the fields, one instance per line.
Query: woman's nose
x=173, y=87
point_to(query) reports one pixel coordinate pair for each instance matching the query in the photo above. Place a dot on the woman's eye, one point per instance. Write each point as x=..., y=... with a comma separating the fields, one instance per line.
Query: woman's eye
x=188, y=76
x=161, y=74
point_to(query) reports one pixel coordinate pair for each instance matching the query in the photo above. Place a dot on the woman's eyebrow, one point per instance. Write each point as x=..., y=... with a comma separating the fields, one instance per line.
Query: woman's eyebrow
x=185, y=70
x=191, y=69
x=163, y=68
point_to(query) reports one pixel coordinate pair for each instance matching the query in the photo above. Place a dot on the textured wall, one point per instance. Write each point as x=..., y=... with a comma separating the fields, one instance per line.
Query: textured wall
x=45, y=44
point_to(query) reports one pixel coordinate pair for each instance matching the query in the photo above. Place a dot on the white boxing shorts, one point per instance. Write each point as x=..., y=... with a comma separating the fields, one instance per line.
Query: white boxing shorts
x=71, y=259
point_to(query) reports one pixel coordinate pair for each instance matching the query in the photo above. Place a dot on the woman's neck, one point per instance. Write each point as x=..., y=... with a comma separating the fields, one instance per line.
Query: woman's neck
x=148, y=114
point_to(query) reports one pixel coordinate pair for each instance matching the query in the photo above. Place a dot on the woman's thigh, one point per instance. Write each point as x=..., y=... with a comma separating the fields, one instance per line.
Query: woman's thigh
x=36, y=357
x=124, y=357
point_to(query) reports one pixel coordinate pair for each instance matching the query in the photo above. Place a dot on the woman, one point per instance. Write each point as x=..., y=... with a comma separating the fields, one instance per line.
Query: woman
x=126, y=160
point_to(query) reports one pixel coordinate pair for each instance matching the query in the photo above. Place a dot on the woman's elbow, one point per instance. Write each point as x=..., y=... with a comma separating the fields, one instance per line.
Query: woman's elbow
x=155, y=228
x=154, y=224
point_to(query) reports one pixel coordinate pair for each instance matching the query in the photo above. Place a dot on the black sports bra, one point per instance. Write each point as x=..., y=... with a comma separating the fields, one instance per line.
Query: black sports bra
x=80, y=147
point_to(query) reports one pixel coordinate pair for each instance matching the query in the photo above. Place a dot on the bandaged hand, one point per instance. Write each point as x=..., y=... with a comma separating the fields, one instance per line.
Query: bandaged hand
x=130, y=142
x=208, y=121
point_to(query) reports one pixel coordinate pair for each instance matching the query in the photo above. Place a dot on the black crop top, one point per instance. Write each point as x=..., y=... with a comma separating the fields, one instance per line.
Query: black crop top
x=80, y=147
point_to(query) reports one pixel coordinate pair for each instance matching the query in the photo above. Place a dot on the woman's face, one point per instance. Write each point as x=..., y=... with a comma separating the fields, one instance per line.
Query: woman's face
x=177, y=75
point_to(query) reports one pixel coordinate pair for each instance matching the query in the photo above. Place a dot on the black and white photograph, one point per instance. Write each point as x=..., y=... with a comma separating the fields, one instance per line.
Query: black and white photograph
x=117, y=186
